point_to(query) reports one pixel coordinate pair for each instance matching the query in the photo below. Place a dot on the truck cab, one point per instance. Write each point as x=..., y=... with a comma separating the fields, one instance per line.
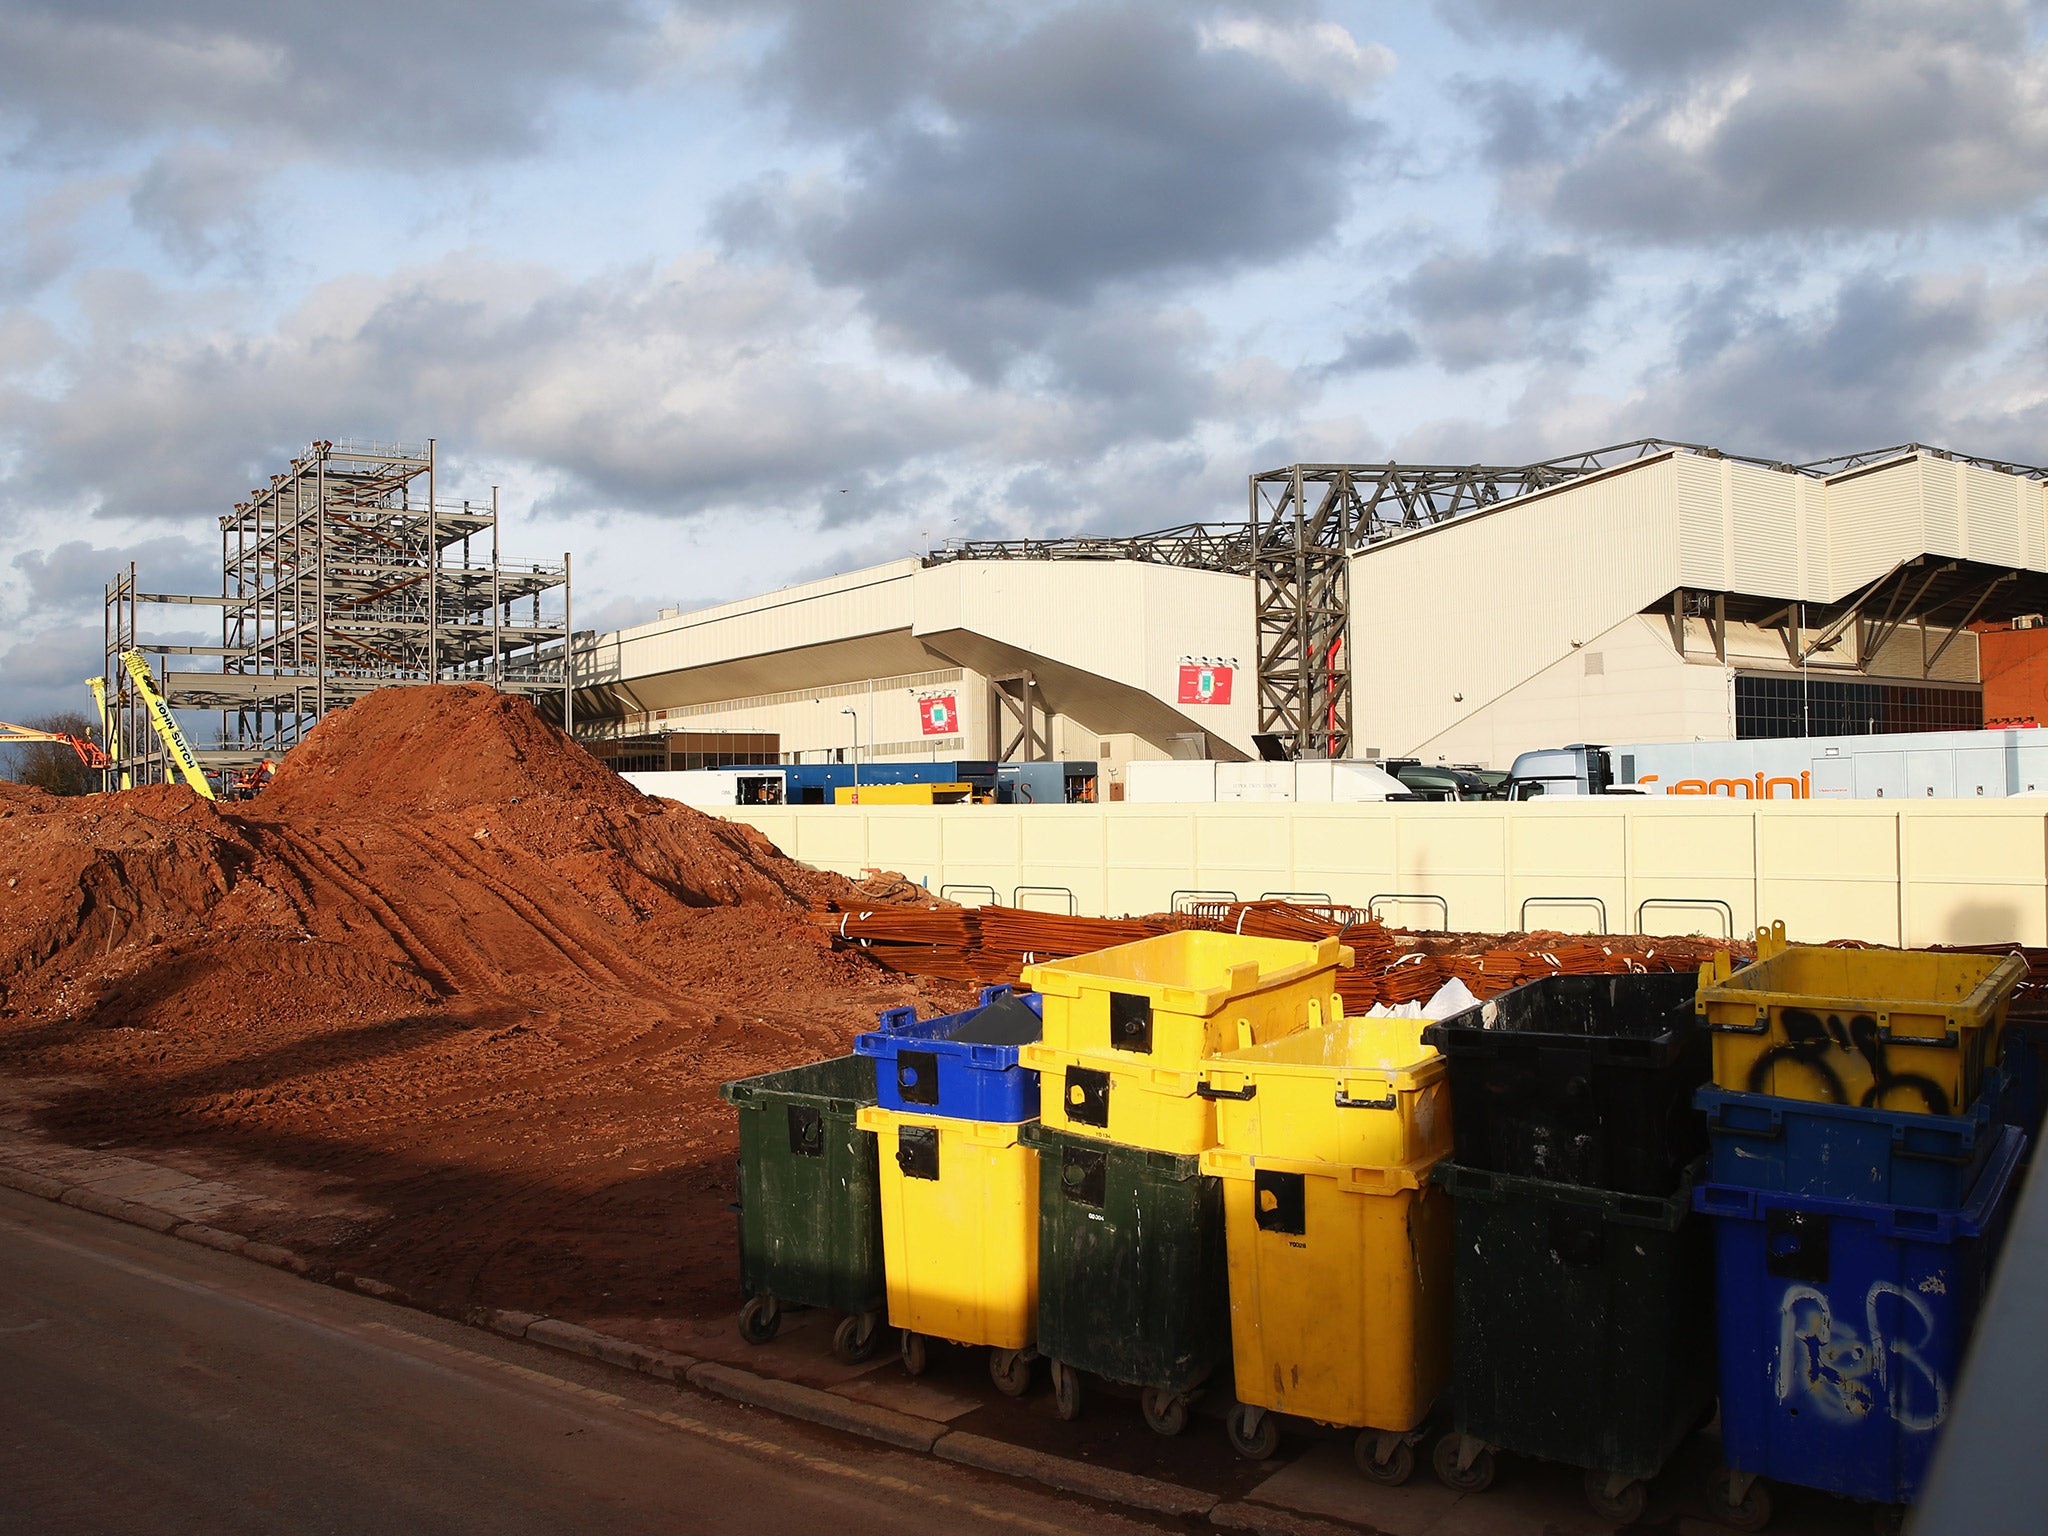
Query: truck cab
x=1582, y=769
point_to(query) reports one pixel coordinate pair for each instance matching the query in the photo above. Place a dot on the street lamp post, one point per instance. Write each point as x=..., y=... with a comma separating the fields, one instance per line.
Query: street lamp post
x=854, y=715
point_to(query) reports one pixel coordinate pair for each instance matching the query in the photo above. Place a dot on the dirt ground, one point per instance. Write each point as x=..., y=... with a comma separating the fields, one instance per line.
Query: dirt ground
x=449, y=984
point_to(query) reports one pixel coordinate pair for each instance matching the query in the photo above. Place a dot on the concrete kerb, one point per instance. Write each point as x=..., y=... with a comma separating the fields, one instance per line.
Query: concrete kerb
x=1060, y=1472
x=789, y=1398
x=826, y=1408
x=1265, y=1520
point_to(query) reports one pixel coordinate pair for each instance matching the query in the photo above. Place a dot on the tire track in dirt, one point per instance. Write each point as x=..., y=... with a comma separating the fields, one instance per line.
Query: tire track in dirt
x=586, y=955
x=447, y=973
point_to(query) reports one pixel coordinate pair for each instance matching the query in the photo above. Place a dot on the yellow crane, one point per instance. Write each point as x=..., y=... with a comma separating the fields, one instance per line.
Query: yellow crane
x=98, y=685
x=166, y=724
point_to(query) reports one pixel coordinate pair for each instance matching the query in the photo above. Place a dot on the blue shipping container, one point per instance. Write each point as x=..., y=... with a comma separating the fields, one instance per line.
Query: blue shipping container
x=962, y=1066
x=1843, y=1328
x=1845, y=1152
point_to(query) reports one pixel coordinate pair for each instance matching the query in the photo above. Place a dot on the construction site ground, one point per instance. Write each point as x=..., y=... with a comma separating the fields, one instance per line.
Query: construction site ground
x=448, y=1006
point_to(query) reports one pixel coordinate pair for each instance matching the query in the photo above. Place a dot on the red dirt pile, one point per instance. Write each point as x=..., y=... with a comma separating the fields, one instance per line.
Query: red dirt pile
x=448, y=958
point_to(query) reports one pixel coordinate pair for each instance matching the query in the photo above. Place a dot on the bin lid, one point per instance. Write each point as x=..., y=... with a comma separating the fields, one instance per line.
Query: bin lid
x=1006, y=1021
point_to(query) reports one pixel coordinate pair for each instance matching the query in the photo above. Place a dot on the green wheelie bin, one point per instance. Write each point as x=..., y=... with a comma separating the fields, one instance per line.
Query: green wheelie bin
x=1583, y=1332
x=1133, y=1280
x=810, y=1206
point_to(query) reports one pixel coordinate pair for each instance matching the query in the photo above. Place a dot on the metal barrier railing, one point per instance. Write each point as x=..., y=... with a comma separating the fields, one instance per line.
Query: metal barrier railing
x=1714, y=902
x=1564, y=901
x=1073, y=903
x=1193, y=896
x=1372, y=903
x=994, y=896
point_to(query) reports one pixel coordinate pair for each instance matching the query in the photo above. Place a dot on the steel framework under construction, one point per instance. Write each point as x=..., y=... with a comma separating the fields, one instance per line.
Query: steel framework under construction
x=338, y=578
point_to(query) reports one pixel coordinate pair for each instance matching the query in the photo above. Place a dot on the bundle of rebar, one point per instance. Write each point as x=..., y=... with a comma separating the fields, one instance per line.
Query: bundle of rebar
x=985, y=945
x=1022, y=936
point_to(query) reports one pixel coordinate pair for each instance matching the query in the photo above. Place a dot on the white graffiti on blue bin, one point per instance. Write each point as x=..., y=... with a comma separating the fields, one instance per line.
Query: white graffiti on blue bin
x=1823, y=1361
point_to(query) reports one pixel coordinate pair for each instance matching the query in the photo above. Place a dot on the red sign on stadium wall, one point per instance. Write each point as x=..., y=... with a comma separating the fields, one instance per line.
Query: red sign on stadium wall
x=1205, y=682
x=938, y=715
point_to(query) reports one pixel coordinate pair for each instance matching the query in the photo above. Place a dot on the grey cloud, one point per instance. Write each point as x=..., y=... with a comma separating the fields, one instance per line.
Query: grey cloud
x=74, y=574
x=1873, y=364
x=677, y=391
x=416, y=79
x=1862, y=115
x=46, y=672
x=1664, y=38
x=194, y=194
x=1104, y=145
x=835, y=67
x=1368, y=350
x=1521, y=126
x=1475, y=308
x=43, y=242
x=670, y=389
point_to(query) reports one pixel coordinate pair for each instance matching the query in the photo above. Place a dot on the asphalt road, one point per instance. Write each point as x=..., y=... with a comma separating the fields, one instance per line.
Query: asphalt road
x=150, y=1386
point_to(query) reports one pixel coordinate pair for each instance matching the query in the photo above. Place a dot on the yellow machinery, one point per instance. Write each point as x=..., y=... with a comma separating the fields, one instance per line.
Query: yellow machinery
x=98, y=685
x=902, y=794
x=166, y=724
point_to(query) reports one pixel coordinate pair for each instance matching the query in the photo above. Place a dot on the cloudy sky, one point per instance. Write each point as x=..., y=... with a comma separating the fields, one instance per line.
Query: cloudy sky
x=731, y=293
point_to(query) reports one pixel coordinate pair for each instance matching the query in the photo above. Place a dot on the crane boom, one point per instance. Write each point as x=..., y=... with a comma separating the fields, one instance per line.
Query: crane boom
x=166, y=724
x=98, y=685
x=89, y=752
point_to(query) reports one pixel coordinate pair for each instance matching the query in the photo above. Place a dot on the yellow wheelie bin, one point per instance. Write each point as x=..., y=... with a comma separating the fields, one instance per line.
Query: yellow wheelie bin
x=1170, y=1001
x=1893, y=1029
x=1129, y=1030
x=1339, y=1243
x=960, y=1237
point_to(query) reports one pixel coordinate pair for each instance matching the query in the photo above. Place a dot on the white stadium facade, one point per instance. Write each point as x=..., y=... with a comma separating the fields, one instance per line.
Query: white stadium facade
x=1653, y=591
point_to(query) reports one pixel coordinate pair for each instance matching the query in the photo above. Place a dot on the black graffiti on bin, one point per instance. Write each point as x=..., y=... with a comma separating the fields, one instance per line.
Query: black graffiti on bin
x=1810, y=1040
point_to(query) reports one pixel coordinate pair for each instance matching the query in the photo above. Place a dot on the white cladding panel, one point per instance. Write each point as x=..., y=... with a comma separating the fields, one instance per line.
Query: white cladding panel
x=868, y=602
x=1763, y=515
x=1874, y=522
x=1700, y=490
x=1447, y=621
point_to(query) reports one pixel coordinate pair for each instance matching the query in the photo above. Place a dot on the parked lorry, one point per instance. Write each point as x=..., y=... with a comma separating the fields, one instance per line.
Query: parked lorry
x=1914, y=765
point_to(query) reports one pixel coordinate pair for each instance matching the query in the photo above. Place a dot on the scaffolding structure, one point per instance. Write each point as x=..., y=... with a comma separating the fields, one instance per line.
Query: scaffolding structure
x=338, y=578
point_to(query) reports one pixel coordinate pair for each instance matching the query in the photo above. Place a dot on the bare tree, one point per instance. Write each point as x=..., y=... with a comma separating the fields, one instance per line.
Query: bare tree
x=51, y=765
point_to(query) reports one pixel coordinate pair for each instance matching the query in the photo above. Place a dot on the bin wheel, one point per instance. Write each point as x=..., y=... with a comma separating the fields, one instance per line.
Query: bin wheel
x=1751, y=1512
x=1165, y=1412
x=1254, y=1433
x=915, y=1356
x=1010, y=1370
x=1476, y=1476
x=760, y=1319
x=1066, y=1391
x=1888, y=1520
x=1392, y=1471
x=1623, y=1503
x=854, y=1340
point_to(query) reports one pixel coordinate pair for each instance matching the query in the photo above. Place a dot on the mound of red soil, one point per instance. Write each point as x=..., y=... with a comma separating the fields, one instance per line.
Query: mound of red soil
x=437, y=749
x=449, y=959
